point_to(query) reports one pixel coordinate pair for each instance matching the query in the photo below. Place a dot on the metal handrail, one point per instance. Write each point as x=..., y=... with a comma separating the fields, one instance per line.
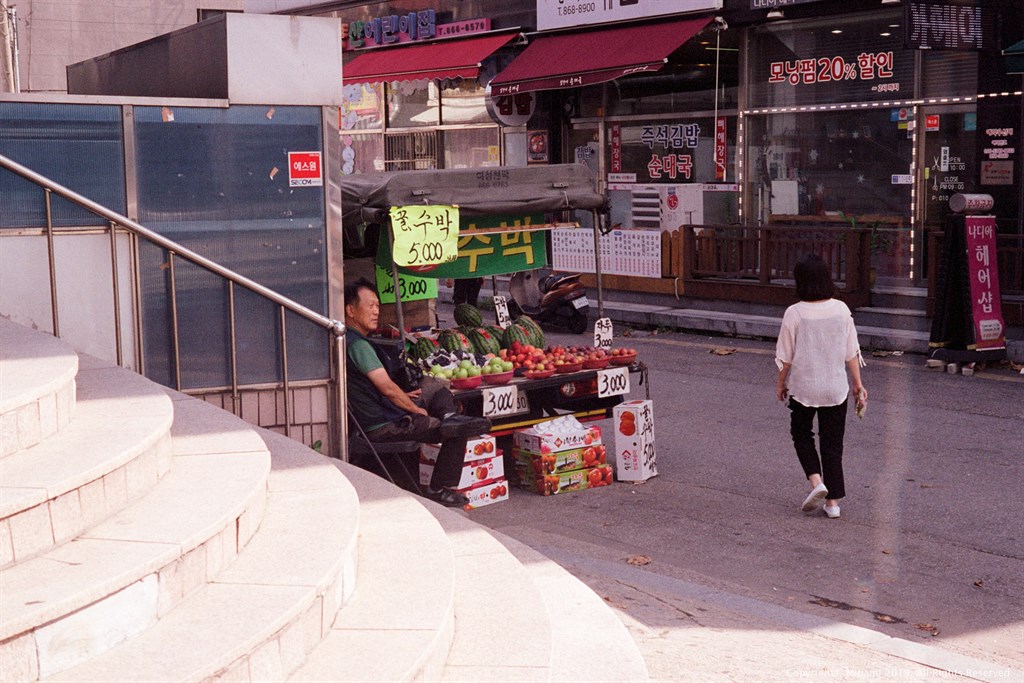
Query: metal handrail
x=335, y=327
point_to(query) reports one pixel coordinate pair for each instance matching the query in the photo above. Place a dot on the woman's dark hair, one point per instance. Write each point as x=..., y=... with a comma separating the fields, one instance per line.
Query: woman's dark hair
x=352, y=290
x=813, y=279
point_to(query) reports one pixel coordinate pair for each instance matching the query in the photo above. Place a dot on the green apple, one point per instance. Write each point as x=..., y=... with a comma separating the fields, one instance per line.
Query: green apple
x=506, y=366
x=473, y=371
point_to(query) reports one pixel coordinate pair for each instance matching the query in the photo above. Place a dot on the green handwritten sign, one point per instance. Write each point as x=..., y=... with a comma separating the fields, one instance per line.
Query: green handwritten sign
x=410, y=287
x=425, y=235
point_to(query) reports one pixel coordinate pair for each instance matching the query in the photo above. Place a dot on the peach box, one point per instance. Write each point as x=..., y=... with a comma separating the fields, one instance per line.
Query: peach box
x=634, y=440
x=574, y=480
x=485, y=494
x=561, y=461
x=473, y=473
x=538, y=440
x=476, y=449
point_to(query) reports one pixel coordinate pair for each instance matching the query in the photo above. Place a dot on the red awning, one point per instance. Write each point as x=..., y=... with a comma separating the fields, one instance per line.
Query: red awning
x=443, y=59
x=570, y=60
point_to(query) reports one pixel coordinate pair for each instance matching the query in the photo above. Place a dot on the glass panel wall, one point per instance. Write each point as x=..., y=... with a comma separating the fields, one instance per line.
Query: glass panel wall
x=79, y=146
x=217, y=181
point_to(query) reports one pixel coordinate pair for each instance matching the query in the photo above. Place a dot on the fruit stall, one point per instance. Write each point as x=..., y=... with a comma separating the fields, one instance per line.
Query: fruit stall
x=487, y=222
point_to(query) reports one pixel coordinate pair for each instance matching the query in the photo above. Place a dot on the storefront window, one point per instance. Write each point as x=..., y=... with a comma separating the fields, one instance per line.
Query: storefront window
x=832, y=163
x=464, y=103
x=835, y=59
x=362, y=153
x=471, y=148
x=361, y=106
x=413, y=103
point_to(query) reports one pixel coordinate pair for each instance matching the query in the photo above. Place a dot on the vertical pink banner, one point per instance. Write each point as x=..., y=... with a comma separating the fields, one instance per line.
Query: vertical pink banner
x=986, y=306
x=616, y=155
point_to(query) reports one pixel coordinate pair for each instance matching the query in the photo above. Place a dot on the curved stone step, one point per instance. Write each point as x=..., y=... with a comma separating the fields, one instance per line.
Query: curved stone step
x=582, y=622
x=37, y=386
x=112, y=452
x=399, y=624
x=495, y=594
x=259, y=617
x=117, y=578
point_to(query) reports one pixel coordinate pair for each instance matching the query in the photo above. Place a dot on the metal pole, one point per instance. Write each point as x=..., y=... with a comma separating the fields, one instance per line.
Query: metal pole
x=176, y=344
x=236, y=406
x=284, y=374
x=597, y=262
x=14, y=30
x=394, y=278
x=341, y=399
x=117, y=294
x=53, y=264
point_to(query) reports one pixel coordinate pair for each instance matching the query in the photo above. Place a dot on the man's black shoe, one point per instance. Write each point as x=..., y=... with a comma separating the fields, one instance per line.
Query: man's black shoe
x=463, y=426
x=446, y=497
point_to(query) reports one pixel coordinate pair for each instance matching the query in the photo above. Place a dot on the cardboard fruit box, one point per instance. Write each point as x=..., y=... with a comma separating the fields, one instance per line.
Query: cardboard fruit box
x=538, y=464
x=574, y=480
x=486, y=494
x=540, y=439
x=484, y=446
x=634, y=440
x=473, y=473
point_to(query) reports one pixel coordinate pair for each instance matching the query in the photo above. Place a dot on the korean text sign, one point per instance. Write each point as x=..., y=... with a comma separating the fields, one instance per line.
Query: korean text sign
x=986, y=307
x=425, y=235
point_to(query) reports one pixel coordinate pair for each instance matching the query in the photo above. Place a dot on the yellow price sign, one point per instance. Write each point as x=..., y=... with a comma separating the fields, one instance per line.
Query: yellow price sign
x=425, y=235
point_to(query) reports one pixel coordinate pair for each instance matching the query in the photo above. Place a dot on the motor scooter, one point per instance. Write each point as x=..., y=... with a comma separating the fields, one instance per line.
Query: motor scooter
x=553, y=299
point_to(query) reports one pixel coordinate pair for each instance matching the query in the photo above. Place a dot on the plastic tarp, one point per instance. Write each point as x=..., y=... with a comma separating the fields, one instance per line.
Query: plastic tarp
x=367, y=197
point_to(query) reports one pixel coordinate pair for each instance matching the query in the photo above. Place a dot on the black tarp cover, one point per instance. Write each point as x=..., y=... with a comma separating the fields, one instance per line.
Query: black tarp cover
x=367, y=197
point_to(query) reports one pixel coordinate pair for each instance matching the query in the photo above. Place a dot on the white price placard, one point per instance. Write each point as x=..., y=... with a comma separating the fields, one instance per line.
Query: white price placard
x=501, y=312
x=613, y=381
x=603, y=333
x=502, y=400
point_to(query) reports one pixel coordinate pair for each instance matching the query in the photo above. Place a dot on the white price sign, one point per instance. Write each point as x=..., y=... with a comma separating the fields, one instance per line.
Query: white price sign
x=503, y=400
x=501, y=312
x=603, y=333
x=612, y=382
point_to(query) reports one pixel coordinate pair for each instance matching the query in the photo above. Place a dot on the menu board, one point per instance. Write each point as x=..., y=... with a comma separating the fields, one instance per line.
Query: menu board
x=623, y=252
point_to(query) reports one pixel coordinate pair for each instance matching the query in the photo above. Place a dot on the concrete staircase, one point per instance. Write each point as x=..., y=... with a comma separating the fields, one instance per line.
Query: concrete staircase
x=148, y=536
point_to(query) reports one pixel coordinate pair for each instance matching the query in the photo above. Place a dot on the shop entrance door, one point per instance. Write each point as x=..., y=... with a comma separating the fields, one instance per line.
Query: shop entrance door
x=946, y=148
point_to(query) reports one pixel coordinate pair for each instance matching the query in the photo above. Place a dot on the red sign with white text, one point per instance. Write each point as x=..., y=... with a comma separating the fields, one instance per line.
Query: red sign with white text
x=304, y=169
x=616, y=160
x=720, y=148
x=986, y=306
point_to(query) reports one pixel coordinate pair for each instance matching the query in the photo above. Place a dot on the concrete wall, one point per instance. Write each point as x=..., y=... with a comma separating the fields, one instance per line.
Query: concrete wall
x=53, y=34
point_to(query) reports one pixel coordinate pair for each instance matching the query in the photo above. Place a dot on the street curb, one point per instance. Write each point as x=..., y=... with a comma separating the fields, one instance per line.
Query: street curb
x=925, y=655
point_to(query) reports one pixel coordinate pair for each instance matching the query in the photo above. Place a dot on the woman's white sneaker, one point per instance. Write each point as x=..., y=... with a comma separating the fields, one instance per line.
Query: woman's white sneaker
x=814, y=498
x=832, y=511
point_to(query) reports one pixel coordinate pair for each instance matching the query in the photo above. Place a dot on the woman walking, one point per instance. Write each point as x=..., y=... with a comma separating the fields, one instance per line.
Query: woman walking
x=817, y=346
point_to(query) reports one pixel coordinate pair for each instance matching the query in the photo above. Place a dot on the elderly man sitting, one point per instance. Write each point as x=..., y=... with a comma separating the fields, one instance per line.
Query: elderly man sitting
x=387, y=413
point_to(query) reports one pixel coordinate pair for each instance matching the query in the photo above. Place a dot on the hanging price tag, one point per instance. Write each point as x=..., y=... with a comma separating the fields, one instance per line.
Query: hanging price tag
x=425, y=235
x=411, y=288
x=612, y=382
x=501, y=312
x=501, y=400
x=603, y=333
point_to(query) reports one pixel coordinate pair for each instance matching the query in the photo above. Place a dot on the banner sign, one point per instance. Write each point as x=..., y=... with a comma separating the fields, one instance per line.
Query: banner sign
x=986, y=306
x=425, y=235
x=553, y=14
x=949, y=25
x=410, y=287
x=485, y=255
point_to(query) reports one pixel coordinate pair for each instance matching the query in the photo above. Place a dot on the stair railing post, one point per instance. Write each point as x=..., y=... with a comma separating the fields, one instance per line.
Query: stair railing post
x=284, y=375
x=175, y=341
x=117, y=294
x=340, y=431
x=53, y=263
x=236, y=404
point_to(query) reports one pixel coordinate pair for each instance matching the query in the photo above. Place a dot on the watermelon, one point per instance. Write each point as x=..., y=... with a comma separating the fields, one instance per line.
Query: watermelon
x=468, y=315
x=484, y=342
x=536, y=334
x=422, y=348
x=515, y=333
x=453, y=340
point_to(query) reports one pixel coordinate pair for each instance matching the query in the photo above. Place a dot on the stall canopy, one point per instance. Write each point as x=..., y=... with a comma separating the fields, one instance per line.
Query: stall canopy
x=366, y=198
x=1015, y=58
x=443, y=59
x=571, y=60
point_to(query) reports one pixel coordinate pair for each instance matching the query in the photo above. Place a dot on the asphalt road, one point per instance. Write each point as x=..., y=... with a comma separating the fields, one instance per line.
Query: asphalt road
x=922, y=576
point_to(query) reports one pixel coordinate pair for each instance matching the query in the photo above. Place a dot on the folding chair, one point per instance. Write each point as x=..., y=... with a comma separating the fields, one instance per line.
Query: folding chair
x=366, y=454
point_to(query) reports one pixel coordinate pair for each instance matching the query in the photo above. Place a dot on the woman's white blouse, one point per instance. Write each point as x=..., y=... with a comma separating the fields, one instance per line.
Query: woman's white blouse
x=817, y=339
